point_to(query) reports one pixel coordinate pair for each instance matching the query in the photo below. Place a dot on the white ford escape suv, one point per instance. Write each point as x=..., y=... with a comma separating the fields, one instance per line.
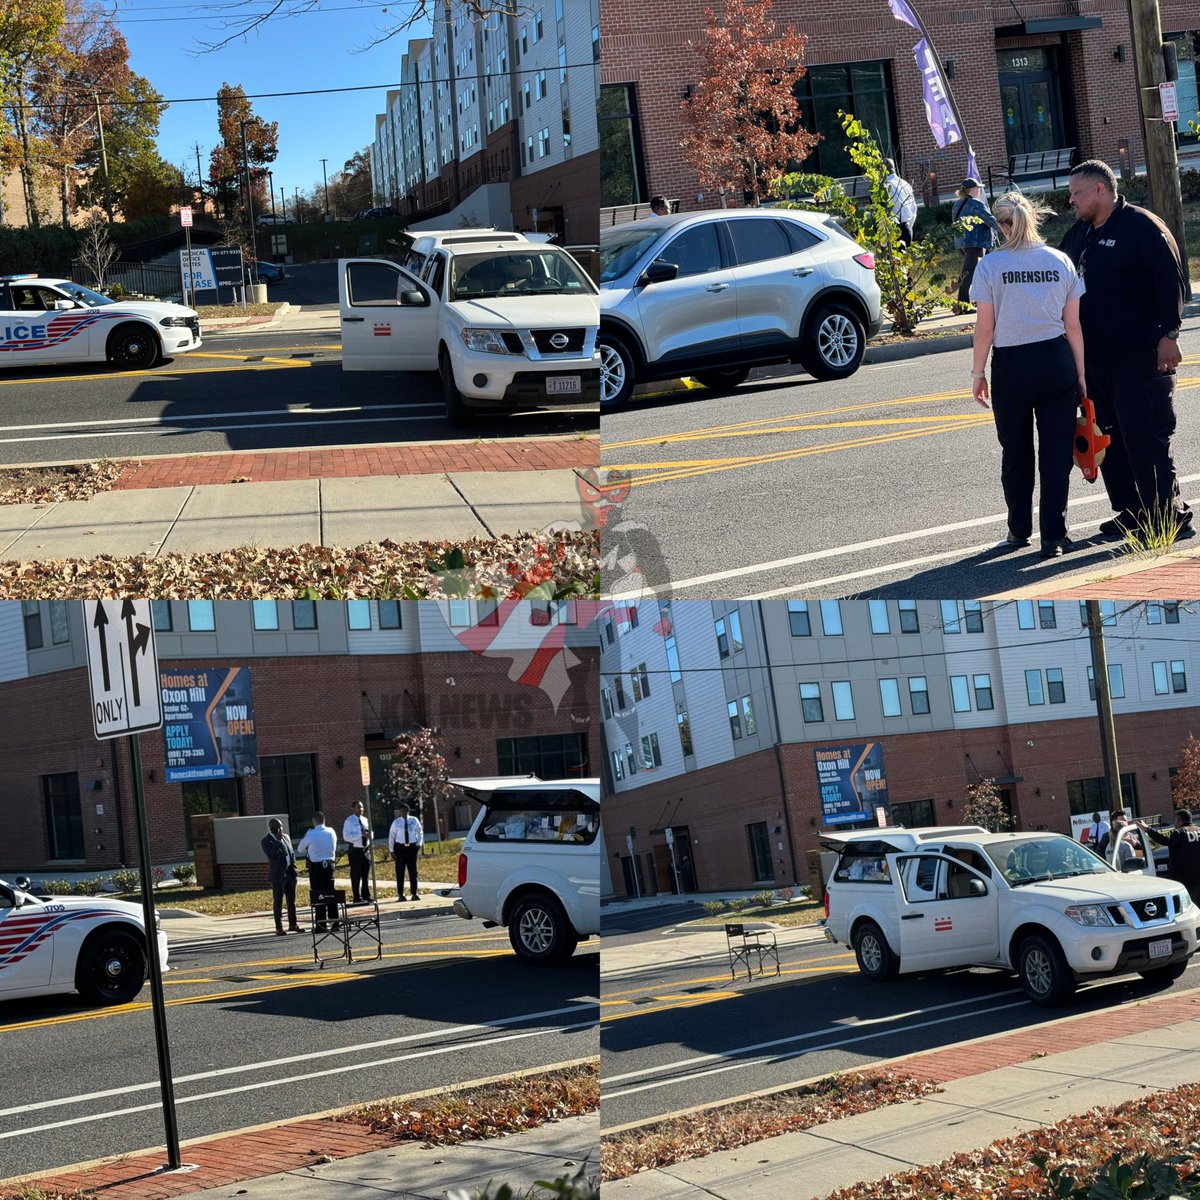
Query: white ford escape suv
x=531, y=862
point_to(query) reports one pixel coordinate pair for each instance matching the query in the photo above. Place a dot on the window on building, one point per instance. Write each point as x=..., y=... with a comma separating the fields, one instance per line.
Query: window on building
x=358, y=615
x=622, y=164
x=31, y=618
x=913, y=814
x=211, y=796
x=631, y=615
x=549, y=756
x=1086, y=796
x=759, y=843
x=618, y=765
x=606, y=703
x=735, y=631
x=1025, y=614
x=831, y=618
x=460, y=614
x=1116, y=682
x=983, y=692
x=160, y=611
x=879, y=616
x=201, y=616
x=1033, y=687
x=918, y=694
x=304, y=614
x=289, y=785
x=722, y=638
x=1056, y=690
x=389, y=613
x=973, y=616
x=1046, y=617
x=619, y=693
x=639, y=680
x=909, y=621
x=1153, y=613
x=60, y=629
x=950, y=622
x=651, y=757
x=843, y=700
x=630, y=760
x=748, y=716
x=609, y=634
x=1161, y=686
x=1178, y=676
x=64, y=817
x=566, y=127
x=266, y=614
x=863, y=88
x=685, y=732
x=735, y=720
x=1171, y=611
x=889, y=697
x=540, y=85
x=798, y=618
x=960, y=694
x=810, y=703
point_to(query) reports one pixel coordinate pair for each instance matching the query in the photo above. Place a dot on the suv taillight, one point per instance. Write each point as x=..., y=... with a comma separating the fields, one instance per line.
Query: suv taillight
x=865, y=259
x=827, y=906
x=462, y=870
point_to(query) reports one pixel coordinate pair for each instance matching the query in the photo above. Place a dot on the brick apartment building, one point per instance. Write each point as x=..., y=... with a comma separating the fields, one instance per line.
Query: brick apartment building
x=330, y=682
x=1029, y=76
x=713, y=713
x=495, y=120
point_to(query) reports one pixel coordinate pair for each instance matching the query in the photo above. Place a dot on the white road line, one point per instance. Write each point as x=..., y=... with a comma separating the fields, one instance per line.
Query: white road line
x=407, y=1057
x=692, y=1076
x=703, y=1058
x=297, y=1058
x=874, y=544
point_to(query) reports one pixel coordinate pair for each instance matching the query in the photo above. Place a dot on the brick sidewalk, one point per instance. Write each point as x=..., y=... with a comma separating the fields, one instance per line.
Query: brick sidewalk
x=435, y=458
x=1178, y=579
x=221, y=1161
x=1009, y=1049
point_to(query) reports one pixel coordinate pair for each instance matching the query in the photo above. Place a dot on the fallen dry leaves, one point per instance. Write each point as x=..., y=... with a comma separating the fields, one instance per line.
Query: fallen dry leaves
x=489, y=1110
x=47, y=485
x=540, y=565
x=1161, y=1124
x=732, y=1125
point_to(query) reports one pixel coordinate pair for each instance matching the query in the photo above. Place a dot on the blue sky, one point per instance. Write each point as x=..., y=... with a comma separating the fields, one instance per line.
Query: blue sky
x=315, y=50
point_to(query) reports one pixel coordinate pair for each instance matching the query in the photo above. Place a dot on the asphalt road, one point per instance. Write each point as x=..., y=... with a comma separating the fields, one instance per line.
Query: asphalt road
x=258, y=1034
x=887, y=484
x=618, y=920
x=241, y=391
x=684, y=1035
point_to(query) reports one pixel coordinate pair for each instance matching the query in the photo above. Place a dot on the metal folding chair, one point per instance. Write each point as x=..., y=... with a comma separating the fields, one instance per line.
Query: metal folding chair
x=751, y=948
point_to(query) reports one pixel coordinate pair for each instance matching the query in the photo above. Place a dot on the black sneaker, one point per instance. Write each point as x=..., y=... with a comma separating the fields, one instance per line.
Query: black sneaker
x=1112, y=528
x=1013, y=542
x=1055, y=548
x=294, y=929
x=281, y=933
x=1185, y=532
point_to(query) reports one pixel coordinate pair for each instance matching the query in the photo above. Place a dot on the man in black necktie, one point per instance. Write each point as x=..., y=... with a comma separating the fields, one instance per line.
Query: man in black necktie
x=404, y=841
x=356, y=833
x=277, y=846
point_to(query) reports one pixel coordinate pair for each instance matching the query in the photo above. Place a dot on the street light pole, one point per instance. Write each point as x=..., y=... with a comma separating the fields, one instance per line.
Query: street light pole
x=271, y=183
x=249, y=192
x=325, y=176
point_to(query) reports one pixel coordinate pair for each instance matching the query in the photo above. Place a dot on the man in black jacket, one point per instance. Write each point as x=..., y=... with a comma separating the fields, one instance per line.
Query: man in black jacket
x=1130, y=313
x=277, y=846
x=1183, y=843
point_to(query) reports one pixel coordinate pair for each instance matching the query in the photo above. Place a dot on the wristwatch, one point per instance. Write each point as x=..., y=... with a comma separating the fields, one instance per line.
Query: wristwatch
x=1173, y=334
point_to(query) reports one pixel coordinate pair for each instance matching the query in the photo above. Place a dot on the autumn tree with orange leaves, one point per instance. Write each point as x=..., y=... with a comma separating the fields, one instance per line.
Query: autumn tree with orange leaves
x=743, y=118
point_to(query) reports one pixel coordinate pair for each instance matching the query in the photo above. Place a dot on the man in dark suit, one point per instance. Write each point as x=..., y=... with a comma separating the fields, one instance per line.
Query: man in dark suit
x=277, y=846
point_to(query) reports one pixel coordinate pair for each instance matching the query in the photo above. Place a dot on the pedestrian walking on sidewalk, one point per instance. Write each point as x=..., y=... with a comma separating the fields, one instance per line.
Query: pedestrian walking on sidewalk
x=356, y=833
x=1136, y=289
x=319, y=844
x=1183, y=842
x=1028, y=300
x=281, y=860
x=405, y=839
x=980, y=235
x=904, y=201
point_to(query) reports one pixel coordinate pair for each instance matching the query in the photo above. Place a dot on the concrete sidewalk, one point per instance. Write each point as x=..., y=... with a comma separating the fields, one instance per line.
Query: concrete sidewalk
x=344, y=512
x=993, y=1088
x=326, y=1159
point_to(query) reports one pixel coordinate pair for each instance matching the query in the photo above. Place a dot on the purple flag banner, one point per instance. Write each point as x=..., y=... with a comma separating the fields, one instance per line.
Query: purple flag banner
x=938, y=110
x=902, y=12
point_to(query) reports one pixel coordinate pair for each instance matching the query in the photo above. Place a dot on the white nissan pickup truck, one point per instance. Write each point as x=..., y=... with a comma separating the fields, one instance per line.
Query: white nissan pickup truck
x=505, y=321
x=1038, y=904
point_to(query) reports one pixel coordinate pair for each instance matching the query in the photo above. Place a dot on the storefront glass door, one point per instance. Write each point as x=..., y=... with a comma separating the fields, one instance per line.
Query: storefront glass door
x=1029, y=101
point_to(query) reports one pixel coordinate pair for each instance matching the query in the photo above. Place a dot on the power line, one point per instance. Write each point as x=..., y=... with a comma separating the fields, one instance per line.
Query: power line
x=373, y=87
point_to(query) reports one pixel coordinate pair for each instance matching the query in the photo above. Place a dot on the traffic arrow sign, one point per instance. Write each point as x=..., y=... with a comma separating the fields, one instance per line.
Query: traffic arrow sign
x=122, y=667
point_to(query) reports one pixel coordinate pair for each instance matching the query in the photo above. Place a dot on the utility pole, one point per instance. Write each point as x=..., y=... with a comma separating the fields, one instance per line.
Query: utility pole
x=271, y=187
x=1162, y=163
x=325, y=176
x=1108, y=734
x=199, y=177
x=108, y=205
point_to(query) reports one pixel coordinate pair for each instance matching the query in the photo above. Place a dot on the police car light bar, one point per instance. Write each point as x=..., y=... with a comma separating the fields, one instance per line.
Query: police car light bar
x=14, y=278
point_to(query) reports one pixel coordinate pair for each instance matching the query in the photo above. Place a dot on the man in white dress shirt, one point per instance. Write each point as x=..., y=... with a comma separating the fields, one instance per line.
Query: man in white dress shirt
x=319, y=844
x=405, y=839
x=356, y=833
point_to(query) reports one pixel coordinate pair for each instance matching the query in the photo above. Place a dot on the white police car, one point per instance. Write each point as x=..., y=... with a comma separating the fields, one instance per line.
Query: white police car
x=45, y=321
x=96, y=947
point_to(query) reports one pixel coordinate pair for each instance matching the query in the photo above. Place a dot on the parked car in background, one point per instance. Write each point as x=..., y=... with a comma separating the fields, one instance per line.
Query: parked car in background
x=1038, y=904
x=531, y=862
x=53, y=944
x=264, y=272
x=711, y=295
x=48, y=321
x=384, y=211
x=271, y=218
